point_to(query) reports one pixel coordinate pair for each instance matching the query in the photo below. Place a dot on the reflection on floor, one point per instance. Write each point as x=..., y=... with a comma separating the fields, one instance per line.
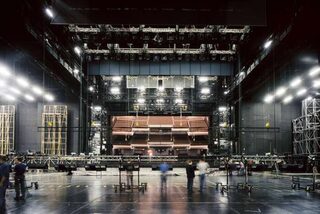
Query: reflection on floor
x=59, y=193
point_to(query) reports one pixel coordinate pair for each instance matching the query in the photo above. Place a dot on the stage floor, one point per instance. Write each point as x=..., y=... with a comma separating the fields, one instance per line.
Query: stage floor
x=81, y=193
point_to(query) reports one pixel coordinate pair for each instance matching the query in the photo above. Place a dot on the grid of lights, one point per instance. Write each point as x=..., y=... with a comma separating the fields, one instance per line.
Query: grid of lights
x=22, y=88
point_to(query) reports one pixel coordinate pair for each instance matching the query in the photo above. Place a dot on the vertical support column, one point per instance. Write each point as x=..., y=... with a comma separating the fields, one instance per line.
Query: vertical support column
x=108, y=132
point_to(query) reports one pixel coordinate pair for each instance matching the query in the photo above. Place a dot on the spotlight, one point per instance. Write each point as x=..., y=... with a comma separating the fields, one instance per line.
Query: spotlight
x=49, y=97
x=226, y=92
x=141, y=100
x=309, y=98
x=29, y=97
x=203, y=79
x=49, y=12
x=15, y=90
x=116, y=78
x=77, y=50
x=205, y=91
x=269, y=98
x=22, y=82
x=2, y=83
x=4, y=71
x=314, y=71
x=9, y=97
x=37, y=90
x=91, y=88
x=302, y=91
x=161, y=100
x=222, y=108
x=142, y=88
x=115, y=90
x=76, y=71
x=281, y=91
x=295, y=82
x=316, y=83
x=178, y=101
x=287, y=99
x=161, y=88
x=97, y=108
x=267, y=44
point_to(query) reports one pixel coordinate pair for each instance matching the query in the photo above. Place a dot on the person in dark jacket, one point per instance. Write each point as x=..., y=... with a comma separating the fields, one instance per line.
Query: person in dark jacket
x=190, y=175
x=19, y=178
x=4, y=182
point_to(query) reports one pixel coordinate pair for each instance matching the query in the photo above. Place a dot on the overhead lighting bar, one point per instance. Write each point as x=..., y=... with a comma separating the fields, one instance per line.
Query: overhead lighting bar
x=268, y=98
x=288, y=99
x=9, y=97
x=316, y=83
x=267, y=44
x=37, y=90
x=302, y=91
x=29, y=97
x=77, y=50
x=116, y=78
x=49, y=12
x=203, y=79
x=281, y=91
x=4, y=71
x=15, y=90
x=22, y=82
x=49, y=97
x=314, y=71
x=296, y=82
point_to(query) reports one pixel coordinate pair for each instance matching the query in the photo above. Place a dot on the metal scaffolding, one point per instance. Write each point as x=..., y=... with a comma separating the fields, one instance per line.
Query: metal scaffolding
x=54, y=133
x=7, y=125
x=306, y=129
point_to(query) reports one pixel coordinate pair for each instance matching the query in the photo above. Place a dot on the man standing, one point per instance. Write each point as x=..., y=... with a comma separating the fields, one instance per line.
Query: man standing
x=19, y=178
x=164, y=167
x=190, y=175
x=4, y=181
x=202, y=167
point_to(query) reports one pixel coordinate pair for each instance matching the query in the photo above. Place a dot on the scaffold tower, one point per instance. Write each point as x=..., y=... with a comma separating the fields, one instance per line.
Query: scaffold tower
x=7, y=127
x=306, y=133
x=54, y=130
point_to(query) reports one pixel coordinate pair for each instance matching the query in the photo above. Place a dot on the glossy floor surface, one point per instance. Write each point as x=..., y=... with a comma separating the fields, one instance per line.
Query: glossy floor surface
x=83, y=193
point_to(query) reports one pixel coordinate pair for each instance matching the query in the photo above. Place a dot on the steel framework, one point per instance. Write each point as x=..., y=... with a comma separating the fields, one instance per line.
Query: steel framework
x=54, y=134
x=306, y=129
x=7, y=125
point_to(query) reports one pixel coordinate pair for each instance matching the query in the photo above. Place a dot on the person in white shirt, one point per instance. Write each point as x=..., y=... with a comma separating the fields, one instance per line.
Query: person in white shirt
x=202, y=166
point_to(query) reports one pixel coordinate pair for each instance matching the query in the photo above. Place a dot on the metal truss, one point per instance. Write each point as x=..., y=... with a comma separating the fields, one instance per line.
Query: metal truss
x=306, y=129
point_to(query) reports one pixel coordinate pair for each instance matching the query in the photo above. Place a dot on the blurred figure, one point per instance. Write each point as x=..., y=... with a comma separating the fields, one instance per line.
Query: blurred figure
x=190, y=175
x=4, y=181
x=164, y=168
x=19, y=178
x=129, y=170
x=203, y=167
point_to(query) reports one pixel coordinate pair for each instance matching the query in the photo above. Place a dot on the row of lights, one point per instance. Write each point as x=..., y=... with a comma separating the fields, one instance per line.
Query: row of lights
x=295, y=83
x=10, y=92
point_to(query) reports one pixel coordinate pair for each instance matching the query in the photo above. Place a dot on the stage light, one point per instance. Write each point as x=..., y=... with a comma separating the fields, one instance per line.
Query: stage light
x=161, y=88
x=160, y=100
x=9, y=97
x=179, y=101
x=77, y=50
x=296, y=82
x=115, y=90
x=49, y=97
x=281, y=91
x=2, y=83
x=205, y=91
x=268, y=98
x=37, y=90
x=226, y=92
x=4, y=71
x=91, y=88
x=222, y=108
x=49, y=12
x=22, y=82
x=141, y=100
x=203, y=79
x=287, y=99
x=178, y=89
x=76, y=71
x=97, y=108
x=116, y=78
x=316, y=83
x=142, y=88
x=15, y=90
x=314, y=71
x=301, y=91
x=267, y=44
x=29, y=97
x=309, y=98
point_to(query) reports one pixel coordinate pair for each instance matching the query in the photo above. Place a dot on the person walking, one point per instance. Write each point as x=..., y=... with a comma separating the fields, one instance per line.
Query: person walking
x=164, y=168
x=202, y=166
x=19, y=178
x=4, y=182
x=190, y=175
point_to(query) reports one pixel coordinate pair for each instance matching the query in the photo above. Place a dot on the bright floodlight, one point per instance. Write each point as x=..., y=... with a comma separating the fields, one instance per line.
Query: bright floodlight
x=90, y=88
x=179, y=101
x=4, y=71
x=314, y=71
x=115, y=90
x=22, y=82
x=9, y=97
x=301, y=92
x=161, y=88
x=2, y=83
x=316, y=83
x=49, y=12
x=205, y=91
x=296, y=82
x=76, y=71
x=222, y=108
x=37, y=90
x=15, y=90
x=226, y=92
x=269, y=98
x=287, y=99
x=77, y=50
x=49, y=97
x=267, y=44
x=309, y=98
x=29, y=97
x=97, y=108
x=116, y=78
x=281, y=91
x=203, y=79
x=141, y=100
